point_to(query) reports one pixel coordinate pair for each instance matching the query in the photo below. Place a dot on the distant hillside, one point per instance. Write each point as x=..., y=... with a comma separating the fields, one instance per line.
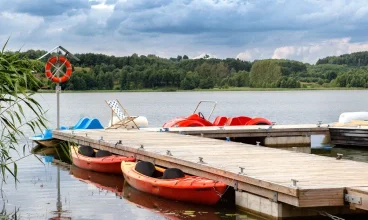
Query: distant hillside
x=353, y=59
x=135, y=72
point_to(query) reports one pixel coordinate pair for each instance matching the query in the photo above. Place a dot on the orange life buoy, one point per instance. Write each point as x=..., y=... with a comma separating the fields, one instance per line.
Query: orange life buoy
x=60, y=60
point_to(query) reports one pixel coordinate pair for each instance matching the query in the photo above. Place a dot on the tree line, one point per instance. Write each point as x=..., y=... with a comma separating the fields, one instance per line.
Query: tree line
x=103, y=72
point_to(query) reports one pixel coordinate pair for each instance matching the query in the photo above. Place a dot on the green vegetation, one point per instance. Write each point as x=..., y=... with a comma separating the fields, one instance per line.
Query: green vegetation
x=276, y=73
x=152, y=73
x=354, y=59
x=17, y=85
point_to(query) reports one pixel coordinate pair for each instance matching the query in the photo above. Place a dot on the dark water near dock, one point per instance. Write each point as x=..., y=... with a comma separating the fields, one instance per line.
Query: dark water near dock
x=36, y=196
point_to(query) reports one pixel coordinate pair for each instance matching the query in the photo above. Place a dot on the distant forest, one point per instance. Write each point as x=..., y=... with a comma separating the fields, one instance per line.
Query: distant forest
x=102, y=72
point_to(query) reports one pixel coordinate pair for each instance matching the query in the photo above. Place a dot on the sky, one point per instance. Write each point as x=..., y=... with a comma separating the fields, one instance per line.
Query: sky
x=303, y=30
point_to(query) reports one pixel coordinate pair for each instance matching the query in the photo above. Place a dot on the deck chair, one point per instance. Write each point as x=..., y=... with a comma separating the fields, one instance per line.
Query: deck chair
x=125, y=120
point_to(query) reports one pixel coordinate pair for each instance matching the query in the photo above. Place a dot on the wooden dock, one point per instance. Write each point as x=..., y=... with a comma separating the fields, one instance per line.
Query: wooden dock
x=267, y=135
x=297, y=179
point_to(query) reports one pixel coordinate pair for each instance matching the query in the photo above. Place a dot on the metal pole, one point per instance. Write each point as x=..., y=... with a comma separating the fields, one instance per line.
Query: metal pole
x=58, y=90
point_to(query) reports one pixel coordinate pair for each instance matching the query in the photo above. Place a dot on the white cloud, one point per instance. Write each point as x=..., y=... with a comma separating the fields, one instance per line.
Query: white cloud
x=312, y=52
x=202, y=55
x=245, y=56
x=254, y=54
x=17, y=23
x=305, y=29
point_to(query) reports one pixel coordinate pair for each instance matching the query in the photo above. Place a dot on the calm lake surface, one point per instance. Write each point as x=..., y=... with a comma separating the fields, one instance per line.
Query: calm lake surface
x=36, y=195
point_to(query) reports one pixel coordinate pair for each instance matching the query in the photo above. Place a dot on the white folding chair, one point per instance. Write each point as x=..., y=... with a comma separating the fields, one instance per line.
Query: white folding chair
x=124, y=120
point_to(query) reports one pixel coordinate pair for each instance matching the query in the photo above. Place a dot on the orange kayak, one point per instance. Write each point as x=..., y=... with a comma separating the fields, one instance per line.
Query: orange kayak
x=108, y=164
x=188, y=188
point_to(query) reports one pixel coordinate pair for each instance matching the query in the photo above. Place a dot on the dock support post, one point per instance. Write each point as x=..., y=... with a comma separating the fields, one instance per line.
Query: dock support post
x=284, y=141
x=327, y=139
x=273, y=209
x=256, y=204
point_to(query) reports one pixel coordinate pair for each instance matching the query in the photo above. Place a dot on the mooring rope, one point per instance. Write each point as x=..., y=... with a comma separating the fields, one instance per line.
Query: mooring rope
x=324, y=213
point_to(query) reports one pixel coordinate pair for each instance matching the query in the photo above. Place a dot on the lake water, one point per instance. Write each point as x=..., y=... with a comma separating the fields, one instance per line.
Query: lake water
x=36, y=195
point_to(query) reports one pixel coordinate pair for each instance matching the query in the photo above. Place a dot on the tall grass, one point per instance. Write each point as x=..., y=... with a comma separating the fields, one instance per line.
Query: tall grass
x=17, y=85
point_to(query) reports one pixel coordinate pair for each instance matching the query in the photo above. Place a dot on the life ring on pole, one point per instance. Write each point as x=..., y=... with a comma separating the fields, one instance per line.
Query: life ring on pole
x=58, y=62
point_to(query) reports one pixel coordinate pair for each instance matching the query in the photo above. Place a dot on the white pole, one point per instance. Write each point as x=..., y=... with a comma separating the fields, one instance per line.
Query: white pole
x=58, y=90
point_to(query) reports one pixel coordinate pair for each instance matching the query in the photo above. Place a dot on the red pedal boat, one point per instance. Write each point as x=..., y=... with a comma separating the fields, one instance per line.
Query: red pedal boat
x=197, y=119
x=188, y=188
x=108, y=164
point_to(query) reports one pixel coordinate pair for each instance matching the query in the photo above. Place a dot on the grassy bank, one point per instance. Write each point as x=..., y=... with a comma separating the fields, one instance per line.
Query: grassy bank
x=207, y=90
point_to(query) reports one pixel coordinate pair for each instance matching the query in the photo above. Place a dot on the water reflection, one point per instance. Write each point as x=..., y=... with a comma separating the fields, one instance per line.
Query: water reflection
x=178, y=210
x=167, y=208
x=112, y=183
x=5, y=214
x=59, y=206
x=58, y=152
x=356, y=154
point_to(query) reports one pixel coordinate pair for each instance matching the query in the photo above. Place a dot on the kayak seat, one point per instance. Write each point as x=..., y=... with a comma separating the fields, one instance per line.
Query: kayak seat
x=86, y=151
x=145, y=168
x=172, y=173
x=194, y=117
x=103, y=153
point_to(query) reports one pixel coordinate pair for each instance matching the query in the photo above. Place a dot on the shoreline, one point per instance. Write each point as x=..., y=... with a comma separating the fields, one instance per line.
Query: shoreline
x=232, y=89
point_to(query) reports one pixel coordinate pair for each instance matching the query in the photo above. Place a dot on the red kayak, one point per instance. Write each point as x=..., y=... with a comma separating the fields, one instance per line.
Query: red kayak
x=197, y=119
x=108, y=164
x=188, y=188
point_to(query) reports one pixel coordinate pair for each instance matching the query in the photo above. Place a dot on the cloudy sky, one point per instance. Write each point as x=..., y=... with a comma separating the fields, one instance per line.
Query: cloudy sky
x=303, y=30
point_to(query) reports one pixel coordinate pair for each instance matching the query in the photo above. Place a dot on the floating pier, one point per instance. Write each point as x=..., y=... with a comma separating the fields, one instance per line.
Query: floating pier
x=266, y=135
x=268, y=181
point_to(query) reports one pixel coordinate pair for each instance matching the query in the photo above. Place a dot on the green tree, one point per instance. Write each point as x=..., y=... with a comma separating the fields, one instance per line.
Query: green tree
x=206, y=83
x=187, y=84
x=264, y=71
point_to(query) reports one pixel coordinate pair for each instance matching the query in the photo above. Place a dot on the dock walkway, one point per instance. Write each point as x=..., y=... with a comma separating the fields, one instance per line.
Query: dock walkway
x=251, y=131
x=267, y=135
x=298, y=179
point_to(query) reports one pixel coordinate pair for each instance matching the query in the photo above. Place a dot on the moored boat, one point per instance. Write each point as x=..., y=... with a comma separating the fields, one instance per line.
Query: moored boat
x=46, y=139
x=197, y=119
x=353, y=118
x=350, y=130
x=187, y=188
x=105, y=164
